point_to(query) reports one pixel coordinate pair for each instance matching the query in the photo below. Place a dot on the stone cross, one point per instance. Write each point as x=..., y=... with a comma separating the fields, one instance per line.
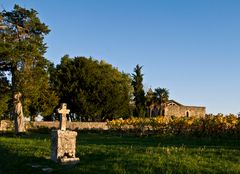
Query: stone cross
x=64, y=111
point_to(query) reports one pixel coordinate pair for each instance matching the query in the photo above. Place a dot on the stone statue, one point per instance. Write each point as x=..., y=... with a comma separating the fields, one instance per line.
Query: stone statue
x=19, y=117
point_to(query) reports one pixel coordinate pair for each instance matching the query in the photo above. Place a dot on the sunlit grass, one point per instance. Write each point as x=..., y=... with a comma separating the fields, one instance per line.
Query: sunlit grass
x=108, y=153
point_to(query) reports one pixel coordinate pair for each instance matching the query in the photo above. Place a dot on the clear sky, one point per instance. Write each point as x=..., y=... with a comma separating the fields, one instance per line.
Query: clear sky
x=190, y=47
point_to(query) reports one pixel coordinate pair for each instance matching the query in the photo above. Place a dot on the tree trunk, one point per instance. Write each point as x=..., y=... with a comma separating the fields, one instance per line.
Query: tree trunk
x=19, y=126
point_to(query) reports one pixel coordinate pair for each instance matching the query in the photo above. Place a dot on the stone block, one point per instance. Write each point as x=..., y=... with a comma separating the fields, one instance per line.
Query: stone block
x=63, y=146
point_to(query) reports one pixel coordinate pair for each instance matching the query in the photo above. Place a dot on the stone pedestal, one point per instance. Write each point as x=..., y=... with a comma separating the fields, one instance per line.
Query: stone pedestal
x=63, y=147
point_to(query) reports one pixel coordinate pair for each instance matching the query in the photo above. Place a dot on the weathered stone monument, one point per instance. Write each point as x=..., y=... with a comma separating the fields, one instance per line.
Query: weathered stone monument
x=63, y=119
x=63, y=142
x=19, y=117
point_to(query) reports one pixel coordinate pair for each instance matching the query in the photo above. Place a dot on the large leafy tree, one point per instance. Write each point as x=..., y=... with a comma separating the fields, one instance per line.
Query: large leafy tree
x=91, y=88
x=21, y=52
x=139, y=94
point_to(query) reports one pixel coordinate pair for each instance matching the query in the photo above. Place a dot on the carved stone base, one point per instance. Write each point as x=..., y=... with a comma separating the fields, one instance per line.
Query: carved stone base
x=63, y=147
x=68, y=161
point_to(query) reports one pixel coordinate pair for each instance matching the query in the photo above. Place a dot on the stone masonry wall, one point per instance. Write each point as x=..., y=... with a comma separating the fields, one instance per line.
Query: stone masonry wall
x=8, y=125
x=179, y=111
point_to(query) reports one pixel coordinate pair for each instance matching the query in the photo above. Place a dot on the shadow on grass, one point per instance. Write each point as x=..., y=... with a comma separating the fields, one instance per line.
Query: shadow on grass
x=11, y=162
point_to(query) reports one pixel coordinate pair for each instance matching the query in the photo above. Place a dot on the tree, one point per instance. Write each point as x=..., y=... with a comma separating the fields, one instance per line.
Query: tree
x=21, y=52
x=92, y=89
x=149, y=101
x=238, y=114
x=161, y=96
x=5, y=95
x=139, y=95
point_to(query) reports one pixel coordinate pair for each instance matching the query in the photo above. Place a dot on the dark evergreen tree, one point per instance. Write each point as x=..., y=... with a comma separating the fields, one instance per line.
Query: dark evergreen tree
x=5, y=95
x=139, y=94
x=92, y=89
x=21, y=52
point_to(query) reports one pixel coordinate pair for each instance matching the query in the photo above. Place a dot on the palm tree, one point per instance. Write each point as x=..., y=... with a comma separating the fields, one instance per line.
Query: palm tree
x=161, y=96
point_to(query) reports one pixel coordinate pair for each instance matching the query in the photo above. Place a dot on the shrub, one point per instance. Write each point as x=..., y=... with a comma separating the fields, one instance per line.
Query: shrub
x=218, y=125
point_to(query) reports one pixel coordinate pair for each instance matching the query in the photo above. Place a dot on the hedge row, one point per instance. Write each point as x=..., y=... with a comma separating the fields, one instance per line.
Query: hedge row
x=207, y=126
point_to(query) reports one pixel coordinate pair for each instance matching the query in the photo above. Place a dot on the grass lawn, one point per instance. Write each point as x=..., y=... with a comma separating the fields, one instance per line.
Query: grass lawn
x=112, y=153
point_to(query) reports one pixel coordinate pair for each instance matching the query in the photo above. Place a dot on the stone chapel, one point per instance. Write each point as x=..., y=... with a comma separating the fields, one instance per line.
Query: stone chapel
x=173, y=108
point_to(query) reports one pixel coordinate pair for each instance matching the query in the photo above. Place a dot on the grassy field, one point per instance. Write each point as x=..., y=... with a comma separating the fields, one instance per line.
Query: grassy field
x=116, y=153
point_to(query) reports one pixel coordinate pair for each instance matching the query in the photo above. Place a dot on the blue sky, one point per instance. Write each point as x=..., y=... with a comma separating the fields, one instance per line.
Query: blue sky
x=190, y=47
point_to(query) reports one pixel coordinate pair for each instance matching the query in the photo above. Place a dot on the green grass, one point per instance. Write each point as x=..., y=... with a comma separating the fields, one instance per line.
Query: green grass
x=109, y=153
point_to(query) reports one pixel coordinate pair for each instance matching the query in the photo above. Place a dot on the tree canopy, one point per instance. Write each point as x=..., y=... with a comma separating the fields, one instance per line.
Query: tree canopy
x=91, y=88
x=21, y=52
x=5, y=94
